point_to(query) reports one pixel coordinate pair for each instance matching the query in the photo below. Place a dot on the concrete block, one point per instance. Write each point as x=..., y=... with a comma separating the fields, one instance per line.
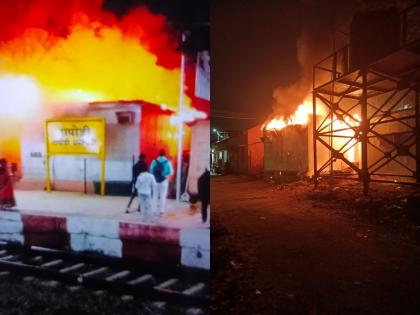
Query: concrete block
x=103, y=245
x=93, y=226
x=10, y=215
x=11, y=226
x=12, y=237
x=195, y=257
x=149, y=233
x=42, y=223
x=195, y=238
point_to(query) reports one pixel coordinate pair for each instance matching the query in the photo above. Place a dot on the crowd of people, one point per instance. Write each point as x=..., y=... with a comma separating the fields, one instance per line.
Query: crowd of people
x=151, y=186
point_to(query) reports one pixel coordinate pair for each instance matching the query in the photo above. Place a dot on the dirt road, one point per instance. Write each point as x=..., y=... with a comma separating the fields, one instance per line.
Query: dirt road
x=274, y=251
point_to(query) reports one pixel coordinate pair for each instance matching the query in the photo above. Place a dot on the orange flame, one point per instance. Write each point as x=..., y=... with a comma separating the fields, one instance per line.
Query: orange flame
x=94, y=62
x=345, y=130
x=74, y=51
x=299, y=117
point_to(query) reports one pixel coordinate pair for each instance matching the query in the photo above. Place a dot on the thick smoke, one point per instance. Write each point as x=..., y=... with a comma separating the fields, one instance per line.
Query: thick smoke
x=322, y=22
x=319, y=19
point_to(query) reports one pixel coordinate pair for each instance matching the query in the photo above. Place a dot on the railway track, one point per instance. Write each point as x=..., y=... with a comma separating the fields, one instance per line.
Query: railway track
x=185, y=287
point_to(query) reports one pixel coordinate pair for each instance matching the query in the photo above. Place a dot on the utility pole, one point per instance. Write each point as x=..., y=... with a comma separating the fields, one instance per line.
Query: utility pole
x=180, y=124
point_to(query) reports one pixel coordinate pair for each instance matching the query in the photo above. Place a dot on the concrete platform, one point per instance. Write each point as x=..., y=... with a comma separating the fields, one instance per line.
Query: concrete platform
x=78, y=222
x=178, y=214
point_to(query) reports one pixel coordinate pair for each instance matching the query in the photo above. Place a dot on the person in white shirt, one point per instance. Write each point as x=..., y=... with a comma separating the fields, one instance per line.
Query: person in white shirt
x=161, y=168
x=146, y=189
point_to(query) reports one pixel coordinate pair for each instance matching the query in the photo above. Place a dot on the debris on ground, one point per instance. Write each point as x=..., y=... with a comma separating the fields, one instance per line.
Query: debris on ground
x=317, y=251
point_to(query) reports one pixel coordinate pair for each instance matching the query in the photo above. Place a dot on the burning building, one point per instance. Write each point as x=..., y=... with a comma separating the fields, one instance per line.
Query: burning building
x=286, y=144
x=286, y=151
x=131, y=128
x=77, y=59
x=361, y=119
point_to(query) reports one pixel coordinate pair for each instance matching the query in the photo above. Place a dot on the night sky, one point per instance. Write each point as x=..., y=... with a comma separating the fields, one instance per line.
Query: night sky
x=253, y=52
x=190, y=15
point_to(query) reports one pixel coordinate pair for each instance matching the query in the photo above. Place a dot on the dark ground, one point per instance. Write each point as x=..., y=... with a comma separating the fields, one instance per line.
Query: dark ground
x=288, y=249
x=40, y=297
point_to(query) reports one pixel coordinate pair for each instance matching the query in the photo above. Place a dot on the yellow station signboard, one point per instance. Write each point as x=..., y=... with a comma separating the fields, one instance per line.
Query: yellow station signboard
x=85, y=137
x=76, y=136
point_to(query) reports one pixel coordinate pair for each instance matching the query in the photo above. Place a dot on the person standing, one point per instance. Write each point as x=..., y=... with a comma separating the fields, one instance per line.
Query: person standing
x=140, y=164
x=161, y=168
x=7, y=197
x=204, y=193
x=146, y=187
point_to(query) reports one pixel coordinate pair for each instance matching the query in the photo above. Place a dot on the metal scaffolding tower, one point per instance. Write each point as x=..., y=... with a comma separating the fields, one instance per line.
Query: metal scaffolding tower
x=366, y=122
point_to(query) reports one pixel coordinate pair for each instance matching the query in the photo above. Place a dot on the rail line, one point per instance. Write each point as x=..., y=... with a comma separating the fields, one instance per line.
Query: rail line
x=186, y=287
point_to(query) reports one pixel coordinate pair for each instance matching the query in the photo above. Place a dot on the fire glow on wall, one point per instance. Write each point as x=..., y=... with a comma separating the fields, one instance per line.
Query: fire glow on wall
x=344, y=129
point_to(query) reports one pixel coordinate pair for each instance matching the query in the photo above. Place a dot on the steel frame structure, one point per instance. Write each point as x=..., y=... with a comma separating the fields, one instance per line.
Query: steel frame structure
x=361, y=106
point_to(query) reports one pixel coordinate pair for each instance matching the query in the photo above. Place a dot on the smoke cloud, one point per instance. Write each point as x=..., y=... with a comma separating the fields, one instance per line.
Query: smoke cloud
x=322, y=22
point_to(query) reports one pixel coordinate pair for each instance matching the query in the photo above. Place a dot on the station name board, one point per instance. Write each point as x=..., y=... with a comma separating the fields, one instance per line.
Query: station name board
x=76, y=136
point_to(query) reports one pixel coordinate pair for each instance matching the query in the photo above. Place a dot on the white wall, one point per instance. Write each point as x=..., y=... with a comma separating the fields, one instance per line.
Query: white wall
x=122, y=142
x=200, y=153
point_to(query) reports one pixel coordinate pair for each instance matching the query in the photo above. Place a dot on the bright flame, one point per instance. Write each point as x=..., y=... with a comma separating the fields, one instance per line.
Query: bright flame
x=347, y=134
x=299, y=117
x=79, y=52
x=74, y=51
x=106, y=67
x=187, y=116
x=19, y=96
x=78, y=95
